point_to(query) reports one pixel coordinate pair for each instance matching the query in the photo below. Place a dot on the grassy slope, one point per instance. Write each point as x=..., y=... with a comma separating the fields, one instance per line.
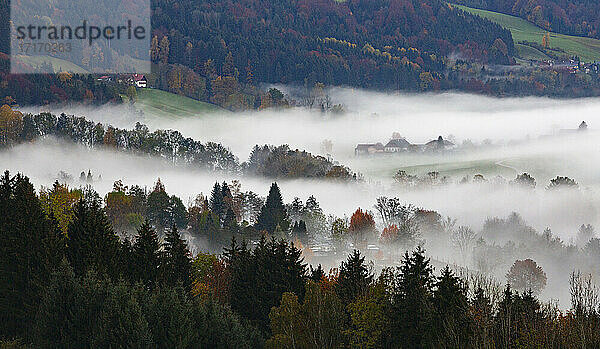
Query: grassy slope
x=528, y=52
x=157, y=103
x=57, y=63
x=587, y=49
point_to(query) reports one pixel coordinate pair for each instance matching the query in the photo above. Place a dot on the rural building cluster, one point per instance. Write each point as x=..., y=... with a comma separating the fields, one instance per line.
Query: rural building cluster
x=401, y=145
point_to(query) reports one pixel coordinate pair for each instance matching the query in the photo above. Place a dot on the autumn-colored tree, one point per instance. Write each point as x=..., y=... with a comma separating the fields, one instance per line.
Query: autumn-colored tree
x=229, y=65
x=11, y=124
x=369, y=317
x=164, y=50
x=64, y=76
x=249, y=74
x=131, y=94
x=389, y=235
x=175, y=78
x=60, y=202
x=306, y=325
x=110, y=139
x=525, y=275
x=362, y=226
x=154, y=49
x=210, y=277
x=209, y=69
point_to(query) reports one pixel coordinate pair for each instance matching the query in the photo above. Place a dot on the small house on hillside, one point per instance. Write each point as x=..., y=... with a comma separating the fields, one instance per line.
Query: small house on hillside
x=104, y=78
x=139, y=80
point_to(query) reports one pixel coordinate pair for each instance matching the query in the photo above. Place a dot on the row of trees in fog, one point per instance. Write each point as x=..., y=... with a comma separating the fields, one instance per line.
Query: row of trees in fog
x=87, y=286
x=390, y=227
x=524, y=180
x=171, y=145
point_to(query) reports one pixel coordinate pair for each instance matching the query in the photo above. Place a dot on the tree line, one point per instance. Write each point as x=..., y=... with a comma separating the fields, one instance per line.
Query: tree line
x=170, y=145
x=88, y=287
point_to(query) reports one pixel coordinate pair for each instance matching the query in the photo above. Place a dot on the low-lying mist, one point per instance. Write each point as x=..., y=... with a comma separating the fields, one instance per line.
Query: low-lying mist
x=510, y=136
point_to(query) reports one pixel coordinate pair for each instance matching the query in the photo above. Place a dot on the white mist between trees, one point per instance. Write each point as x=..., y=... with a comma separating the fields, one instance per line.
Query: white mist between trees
x=372, y=117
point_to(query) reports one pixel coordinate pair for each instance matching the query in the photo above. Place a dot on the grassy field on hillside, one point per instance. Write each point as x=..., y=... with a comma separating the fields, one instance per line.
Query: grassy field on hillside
x=528, y=52
x=162, y=104
x=57, y=63
x=587, y=49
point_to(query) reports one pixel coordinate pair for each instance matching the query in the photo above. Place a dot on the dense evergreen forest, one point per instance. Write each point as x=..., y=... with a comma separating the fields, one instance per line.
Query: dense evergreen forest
x=574, y=17
x=223, y=52
x=383, y=44
x=77, y=283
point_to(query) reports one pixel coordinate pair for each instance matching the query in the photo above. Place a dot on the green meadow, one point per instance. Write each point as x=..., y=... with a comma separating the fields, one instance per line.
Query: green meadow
x=587, y=49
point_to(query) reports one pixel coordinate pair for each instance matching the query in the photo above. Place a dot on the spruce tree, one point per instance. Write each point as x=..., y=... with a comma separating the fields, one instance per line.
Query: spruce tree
x=92, y=244
x=317, y=274
x=146, y=255
x=217, y=203
x=230, y=222
x=177, y=261
x=299, y=231
x=31, y=248
x=159, y=207
x=354, y=278
x=412, y=308
x=481, y=312
x=273, y=212
x=452, y=321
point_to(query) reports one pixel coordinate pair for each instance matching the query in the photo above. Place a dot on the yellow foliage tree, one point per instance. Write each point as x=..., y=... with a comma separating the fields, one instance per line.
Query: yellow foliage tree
x=11, y=124
x=60, y=201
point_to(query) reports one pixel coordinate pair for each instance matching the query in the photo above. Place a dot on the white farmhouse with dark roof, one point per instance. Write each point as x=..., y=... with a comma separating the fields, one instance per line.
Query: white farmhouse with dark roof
x=396, y=145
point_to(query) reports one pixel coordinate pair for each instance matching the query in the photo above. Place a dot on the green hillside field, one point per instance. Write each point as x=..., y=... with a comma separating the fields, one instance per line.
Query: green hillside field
x=587, y=49
x=57, y=64
x=163, y=104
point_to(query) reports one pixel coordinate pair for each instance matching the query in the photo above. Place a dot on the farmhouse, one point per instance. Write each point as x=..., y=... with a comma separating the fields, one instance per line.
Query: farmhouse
x=368, y=148
x=439, y=144
x=401, y=145
x=397, y=145
x=139, y=80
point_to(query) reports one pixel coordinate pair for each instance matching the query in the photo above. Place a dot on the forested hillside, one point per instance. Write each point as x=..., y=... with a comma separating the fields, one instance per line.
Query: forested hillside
x=574, y=17
x=372, y=44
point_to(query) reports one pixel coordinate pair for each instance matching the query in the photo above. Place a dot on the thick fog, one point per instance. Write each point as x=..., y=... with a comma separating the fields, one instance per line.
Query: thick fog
x=510, y=136
x=516, y=128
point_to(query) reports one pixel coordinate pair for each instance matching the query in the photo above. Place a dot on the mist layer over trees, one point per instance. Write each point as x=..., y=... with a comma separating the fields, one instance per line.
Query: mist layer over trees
x=89, y=286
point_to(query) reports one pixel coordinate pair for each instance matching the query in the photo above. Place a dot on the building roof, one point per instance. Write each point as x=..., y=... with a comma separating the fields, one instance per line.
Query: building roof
x=439, y=143
x=369, y=145
x=398, y=143
x=138, y=77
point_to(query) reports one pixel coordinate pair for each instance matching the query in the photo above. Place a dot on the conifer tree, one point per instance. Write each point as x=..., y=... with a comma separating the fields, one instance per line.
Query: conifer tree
x=412, y=308
x=299, y=231
x=146, y=255
x=31, y=248
x=354, y=278
x=317, y=274
x=230, y=222
x=273, y=212
x=452, y=322
x=217, y=203
x=177, y=260
x=92, y=244
x=481, y=313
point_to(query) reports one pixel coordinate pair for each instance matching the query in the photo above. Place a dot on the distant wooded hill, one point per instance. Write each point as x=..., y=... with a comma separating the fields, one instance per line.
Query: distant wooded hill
x=574, y=17
x=367, y=43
